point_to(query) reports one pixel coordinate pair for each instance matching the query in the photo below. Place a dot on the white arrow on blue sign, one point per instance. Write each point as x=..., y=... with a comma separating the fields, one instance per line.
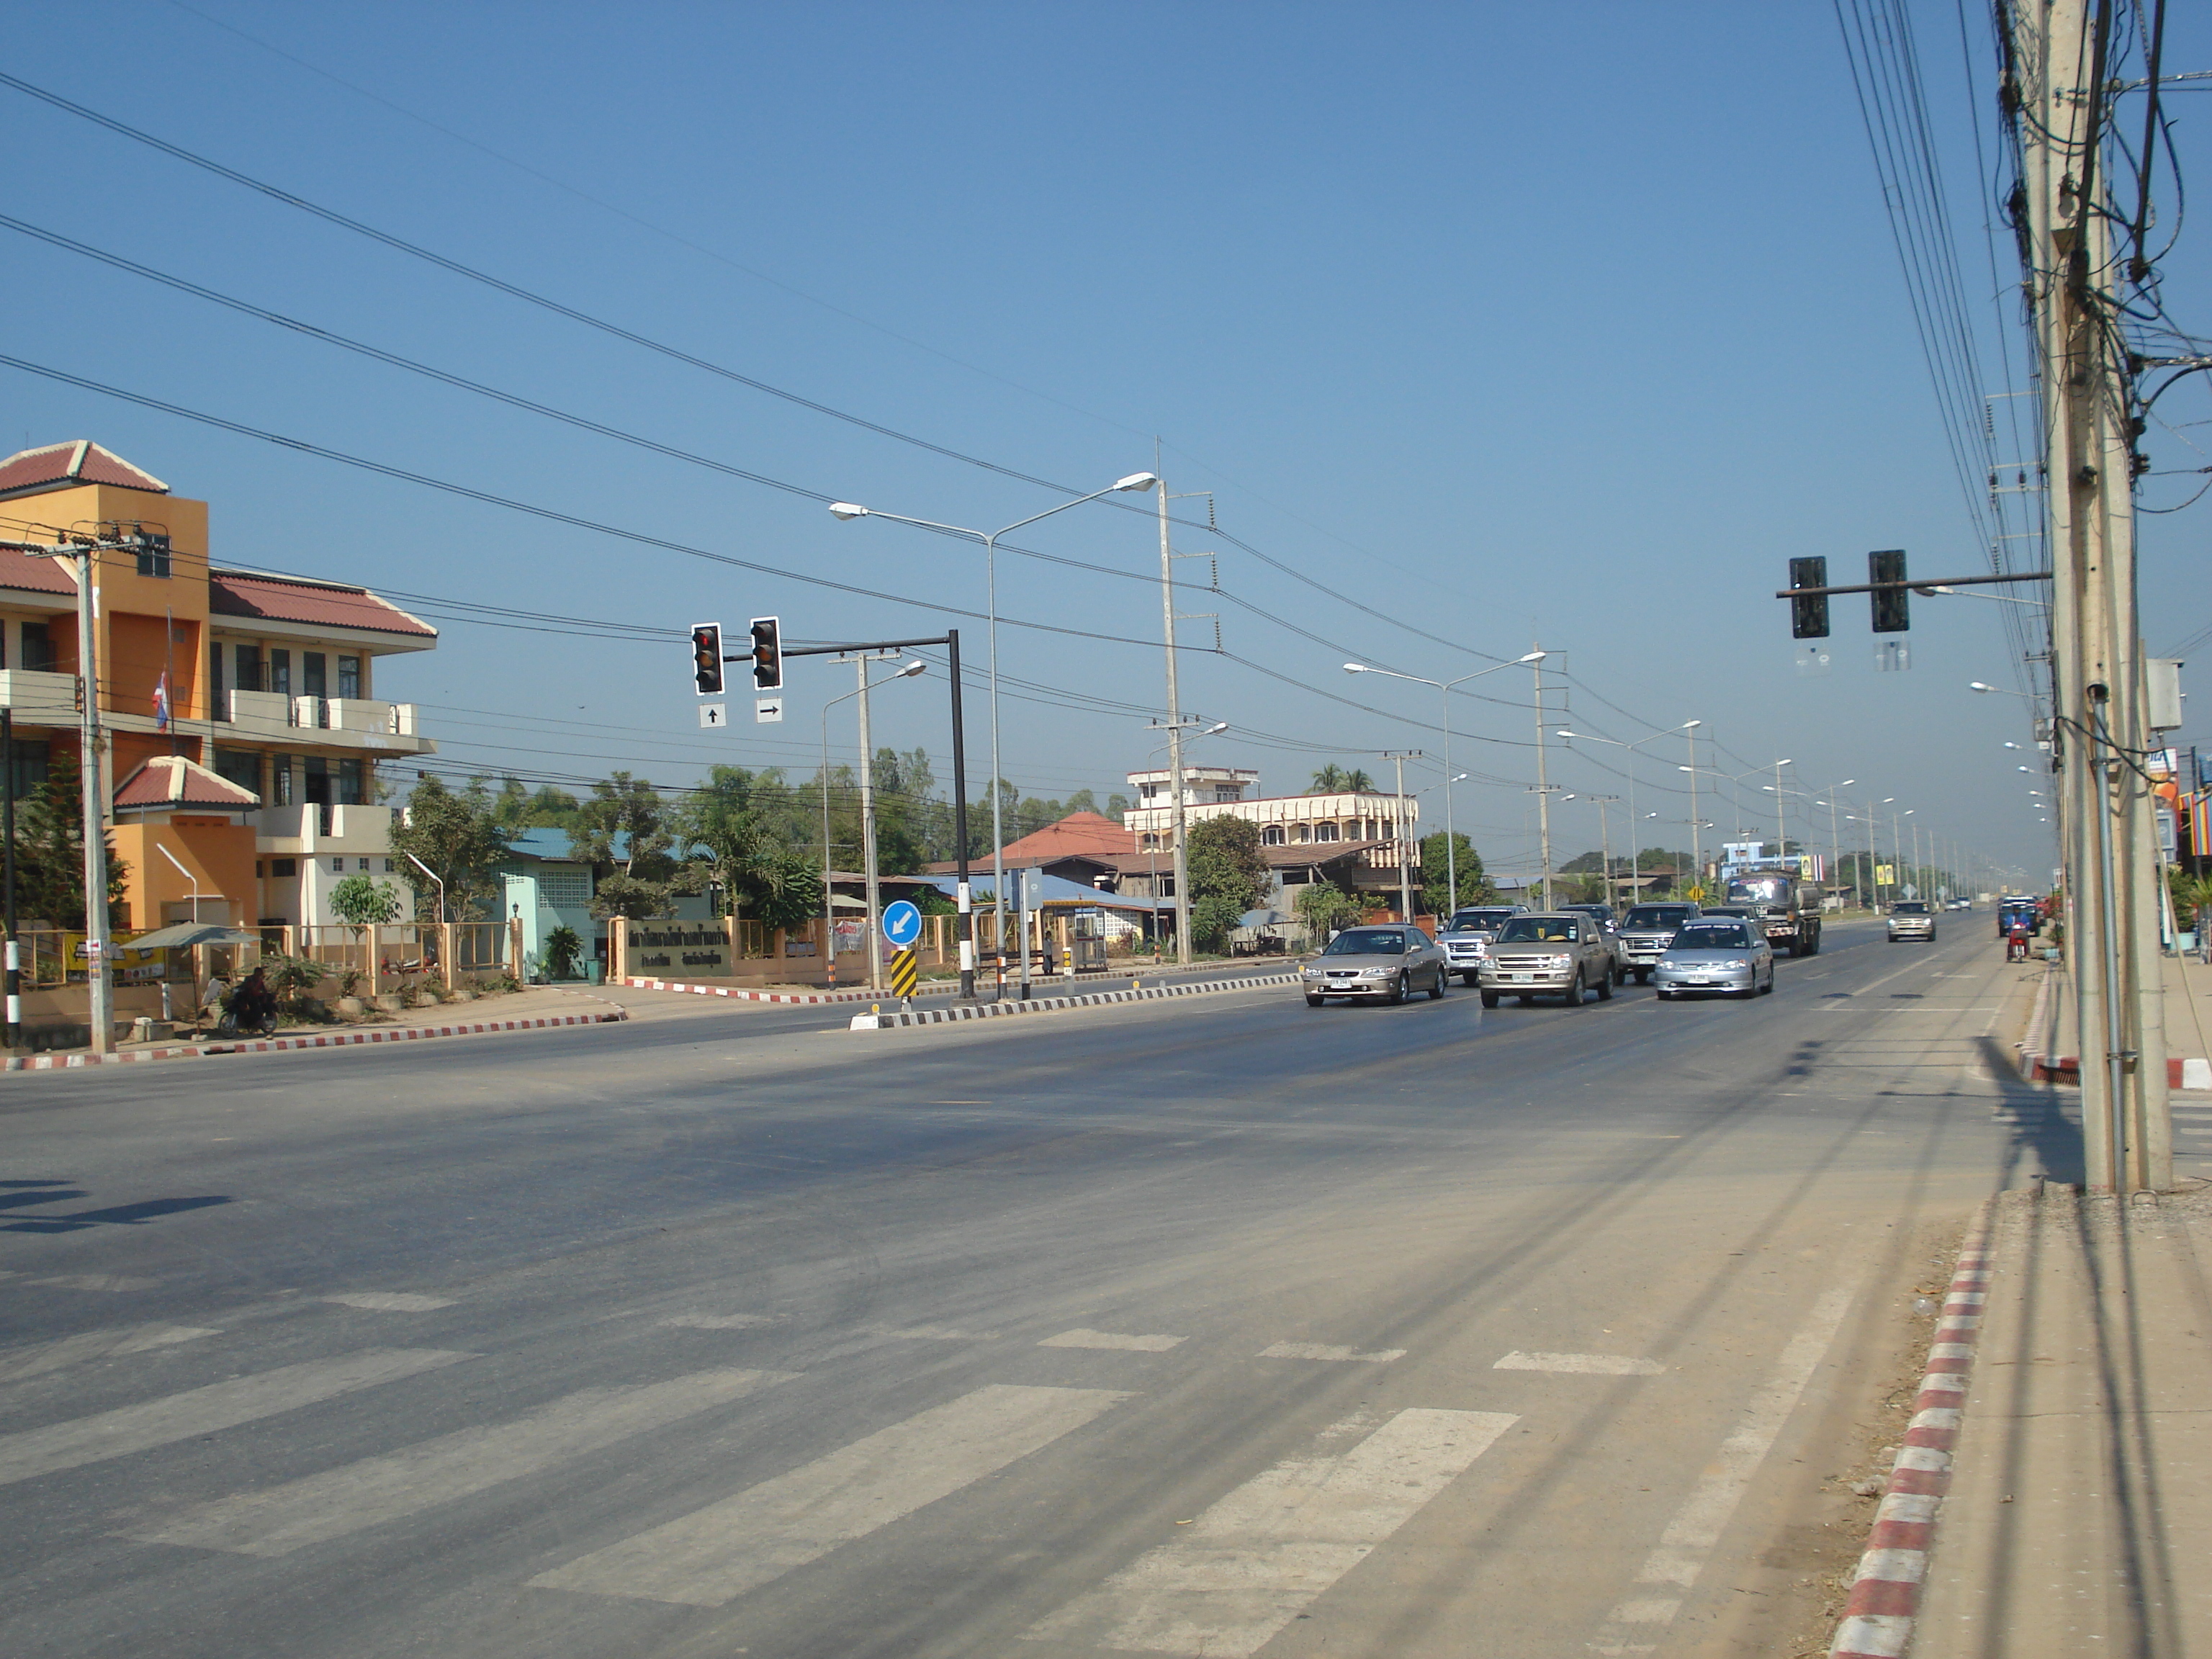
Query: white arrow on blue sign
x=901, y=923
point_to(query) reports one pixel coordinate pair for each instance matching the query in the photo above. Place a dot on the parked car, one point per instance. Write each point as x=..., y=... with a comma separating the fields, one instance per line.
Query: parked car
x=1389, y=962
x=1911, y=919
x=1728, y=954
x=1647, y=933
x=1548, y=953
x=1467, y=937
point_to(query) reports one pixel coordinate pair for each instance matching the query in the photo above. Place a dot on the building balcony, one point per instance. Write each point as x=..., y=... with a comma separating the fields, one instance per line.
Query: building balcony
x=307, y=828
x=39, y=698
x=335, y=722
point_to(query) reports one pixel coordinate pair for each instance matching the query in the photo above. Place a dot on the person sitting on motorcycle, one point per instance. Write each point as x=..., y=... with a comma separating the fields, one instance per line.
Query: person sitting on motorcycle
x=253, y=1004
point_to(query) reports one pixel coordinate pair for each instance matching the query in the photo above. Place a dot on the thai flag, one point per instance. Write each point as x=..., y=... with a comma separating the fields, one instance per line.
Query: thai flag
x=161, y=703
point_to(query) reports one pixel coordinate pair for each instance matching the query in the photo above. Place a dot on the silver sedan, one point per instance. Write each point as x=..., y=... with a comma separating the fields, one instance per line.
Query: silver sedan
x=1386, y=964
x=1723, y=954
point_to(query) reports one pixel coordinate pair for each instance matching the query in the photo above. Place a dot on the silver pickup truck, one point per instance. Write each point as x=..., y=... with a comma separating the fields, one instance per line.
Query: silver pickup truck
x=1466, y=937
x=1647, y=931
x=1559, y=953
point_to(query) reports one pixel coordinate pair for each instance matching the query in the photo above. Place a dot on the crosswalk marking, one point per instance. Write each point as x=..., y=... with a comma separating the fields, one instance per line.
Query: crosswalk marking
x=931, y=1333
x=1248, y=1565
x=1080, y=1338
x=1582, y=1364
x=376, y=1490
x=206, y=1410
x=712, y=1555
x=1330, y=1351
x=37, y=1359
x=98, y=1281
x=391, y=1301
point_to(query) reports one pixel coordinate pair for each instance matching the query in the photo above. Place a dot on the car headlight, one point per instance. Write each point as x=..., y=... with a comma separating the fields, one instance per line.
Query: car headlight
x=1313, y=973
x=1739, y=963
x=1378, y=973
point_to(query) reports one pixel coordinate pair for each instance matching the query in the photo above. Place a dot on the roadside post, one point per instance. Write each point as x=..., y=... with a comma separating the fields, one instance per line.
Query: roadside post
x=903, y=929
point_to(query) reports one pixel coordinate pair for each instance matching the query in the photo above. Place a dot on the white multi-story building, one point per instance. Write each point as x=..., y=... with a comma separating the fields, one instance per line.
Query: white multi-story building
x=1372, y=821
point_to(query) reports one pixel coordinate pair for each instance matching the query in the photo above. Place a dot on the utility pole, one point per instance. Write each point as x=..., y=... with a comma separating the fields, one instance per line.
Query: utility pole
x=1605, y=847
x=1781, y=834
x=1696, y=849
x=8, y=806
x=1543, y=778
x=1180, y=873
x=875, y=893
x=2058, y=55
x=1398, y=817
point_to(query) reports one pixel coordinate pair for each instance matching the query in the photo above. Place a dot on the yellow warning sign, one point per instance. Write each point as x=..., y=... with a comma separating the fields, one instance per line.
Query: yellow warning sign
x=906, y=973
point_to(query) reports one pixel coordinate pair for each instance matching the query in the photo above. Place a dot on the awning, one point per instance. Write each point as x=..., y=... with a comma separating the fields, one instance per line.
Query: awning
x=184, y=935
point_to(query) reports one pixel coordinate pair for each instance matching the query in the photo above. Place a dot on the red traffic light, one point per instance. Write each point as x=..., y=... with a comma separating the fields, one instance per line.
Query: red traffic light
x=707, y=657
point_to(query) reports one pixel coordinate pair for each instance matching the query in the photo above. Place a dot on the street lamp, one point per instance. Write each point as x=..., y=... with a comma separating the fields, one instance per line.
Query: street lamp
x=849, y=510
x=867, y=824
x=1635, y=858
x=1444, y=687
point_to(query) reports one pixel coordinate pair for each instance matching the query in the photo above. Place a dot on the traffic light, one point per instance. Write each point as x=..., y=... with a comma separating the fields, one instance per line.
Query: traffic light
x=767, y=654
x=1893, y=612
x=707, y=657
x=1809, y=618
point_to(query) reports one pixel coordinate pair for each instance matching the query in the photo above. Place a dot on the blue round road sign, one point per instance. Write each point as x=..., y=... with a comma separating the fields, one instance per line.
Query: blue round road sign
x=901, y=923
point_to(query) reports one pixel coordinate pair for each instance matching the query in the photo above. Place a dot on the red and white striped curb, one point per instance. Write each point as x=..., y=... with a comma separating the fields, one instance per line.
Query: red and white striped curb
x=2067, y=1069
x=1885, y=1595
x=329, y=1040
x=941, y=988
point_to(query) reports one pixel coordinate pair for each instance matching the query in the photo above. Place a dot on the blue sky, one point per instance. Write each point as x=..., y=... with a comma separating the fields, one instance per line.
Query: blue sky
x=1557, y=324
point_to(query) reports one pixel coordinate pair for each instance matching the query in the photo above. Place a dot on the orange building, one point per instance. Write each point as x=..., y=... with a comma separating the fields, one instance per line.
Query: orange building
x=262, y=685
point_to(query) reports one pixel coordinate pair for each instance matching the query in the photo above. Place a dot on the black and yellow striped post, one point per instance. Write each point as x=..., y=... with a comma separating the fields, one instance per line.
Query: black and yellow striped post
x=906, y=974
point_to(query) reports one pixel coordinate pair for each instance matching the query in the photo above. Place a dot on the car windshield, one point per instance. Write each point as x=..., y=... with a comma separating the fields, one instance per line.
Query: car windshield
x=1910, y=908
x=1368, y=942
x=1487, y=920
x=1760, y=890
x=1713, y=936
x=1547, y=930
x=1659, y=915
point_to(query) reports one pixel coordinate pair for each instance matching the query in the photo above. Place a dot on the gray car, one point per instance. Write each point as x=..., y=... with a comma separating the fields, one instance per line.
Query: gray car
x=1728, y=956
x=1384, y=964
x=1647, y=933
x=1911, y=919
x=1560, y=953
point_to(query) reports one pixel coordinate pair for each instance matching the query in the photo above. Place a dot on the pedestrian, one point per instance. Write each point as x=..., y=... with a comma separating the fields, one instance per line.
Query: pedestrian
x=253, y=1006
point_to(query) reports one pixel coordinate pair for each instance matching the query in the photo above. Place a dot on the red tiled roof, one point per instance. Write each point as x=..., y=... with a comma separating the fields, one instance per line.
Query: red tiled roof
x=1078, y=835
x=23, y=570
x=57, y=467
x=323, y=604
x=173, y=780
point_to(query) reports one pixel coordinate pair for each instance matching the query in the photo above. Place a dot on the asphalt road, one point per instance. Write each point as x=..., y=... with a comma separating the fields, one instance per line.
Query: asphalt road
x=1204, y=1327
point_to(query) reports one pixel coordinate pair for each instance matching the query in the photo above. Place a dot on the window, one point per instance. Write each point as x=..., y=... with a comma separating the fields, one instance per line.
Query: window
x=338, y=866
x=1301, y=834
x=218, y=705
x=281, y=769
x=349, y=677
x=1271, y=836
x=39, y=647
x=278, y=867
x=314, y=674
x=240, y=766
x=363, y=863
x=280, y=672
x=1324, y=832
x=153, y=560
x=1227, y=791
x=391, y=864
x=564, y=890
x=247, y=658
x=352, y=785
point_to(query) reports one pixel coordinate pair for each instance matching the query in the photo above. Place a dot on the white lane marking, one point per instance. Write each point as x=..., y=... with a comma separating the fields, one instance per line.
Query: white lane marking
x=1083, y=1339
x=1696, y=1527
x=1248, y=1565
x=1580, y=1365
x=98, y=1281
x=712, y=1555
x=931, y=1334
x=207, y=1410
x=1330, y=1351
x=35, y=1359
x=391, y=1301
x=717, y=1321
x=375, y=1490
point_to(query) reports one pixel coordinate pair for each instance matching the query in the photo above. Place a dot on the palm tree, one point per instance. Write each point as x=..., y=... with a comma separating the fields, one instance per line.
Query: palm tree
x=1357, y=782
x=1329, y=780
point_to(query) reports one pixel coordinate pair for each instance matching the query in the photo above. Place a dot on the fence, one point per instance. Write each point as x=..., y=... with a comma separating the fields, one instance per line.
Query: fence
x=362, y=961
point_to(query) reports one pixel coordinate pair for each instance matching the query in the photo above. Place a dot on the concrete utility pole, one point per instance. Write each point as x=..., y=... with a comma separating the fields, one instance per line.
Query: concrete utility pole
x=1697, y=848
x=1180, y=872
x=1399, y=817
x=1605, y=847
x=875, y=892
x=2110, y=852
x=1543, y=778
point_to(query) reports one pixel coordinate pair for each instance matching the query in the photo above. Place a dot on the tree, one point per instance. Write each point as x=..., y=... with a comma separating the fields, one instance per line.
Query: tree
x=1357, y=782
x=626, y=823
x=459, y=840
x=1228, y=875
x=1475, y=887
x=1329, y=780
x=737, y=830
x=517, y=809
x=361, y=903
x=1116, y=805
x=50, y=850
x=1326, y=908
